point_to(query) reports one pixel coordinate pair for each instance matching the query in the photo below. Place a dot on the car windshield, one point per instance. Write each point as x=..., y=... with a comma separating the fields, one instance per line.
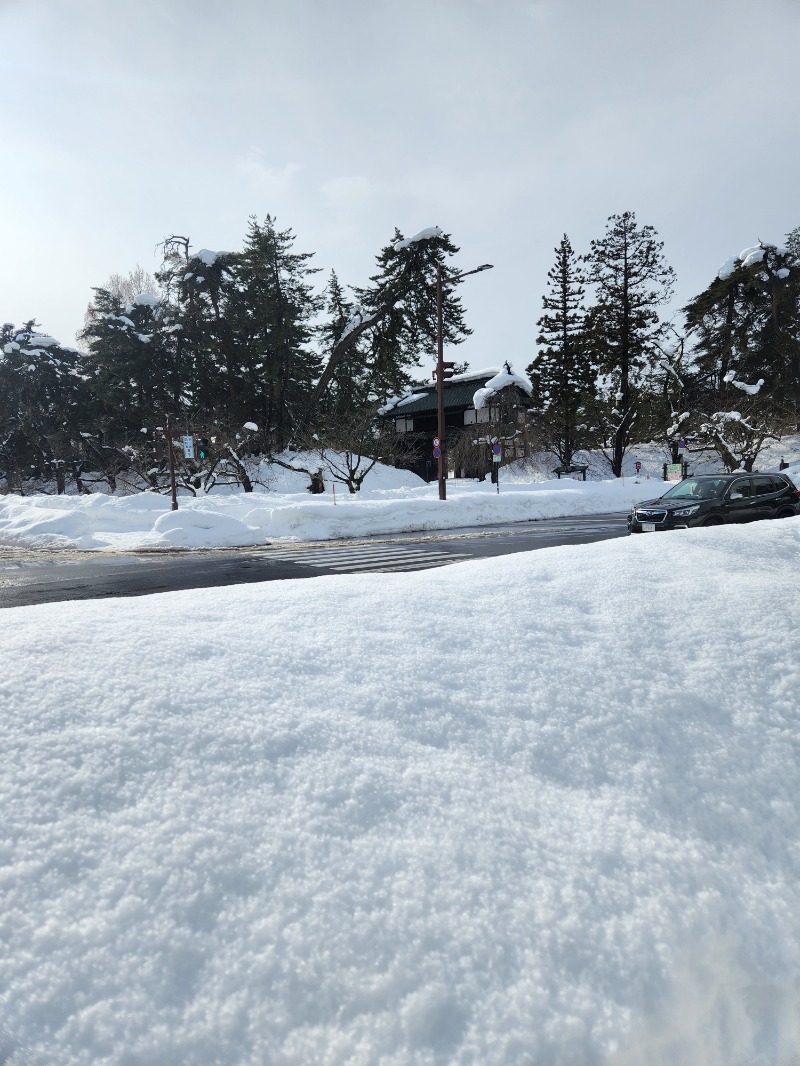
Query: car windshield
x=696, y=489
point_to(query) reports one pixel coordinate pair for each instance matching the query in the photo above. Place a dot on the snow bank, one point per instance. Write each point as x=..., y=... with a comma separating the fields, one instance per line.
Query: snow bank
x=146, y=521
x=537, y=809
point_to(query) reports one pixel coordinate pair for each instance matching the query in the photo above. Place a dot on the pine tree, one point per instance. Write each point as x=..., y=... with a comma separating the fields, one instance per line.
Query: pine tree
x=562, y=373
x=271, y=311
x=197, y=289
x=745, y=327
x=131, y=363
x=393, y=319
x=405, y=286
x=43, y=402
x=349, y=384
x=631, y=280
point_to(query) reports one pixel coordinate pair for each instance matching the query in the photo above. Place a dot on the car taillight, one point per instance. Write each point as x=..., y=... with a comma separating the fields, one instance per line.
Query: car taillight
x=797, y=494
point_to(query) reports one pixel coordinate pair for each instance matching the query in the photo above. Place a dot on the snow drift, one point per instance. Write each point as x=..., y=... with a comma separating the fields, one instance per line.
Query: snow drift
x=538, y=809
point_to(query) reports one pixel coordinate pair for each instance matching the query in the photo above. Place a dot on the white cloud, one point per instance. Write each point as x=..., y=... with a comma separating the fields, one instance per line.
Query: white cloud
x=269, y=180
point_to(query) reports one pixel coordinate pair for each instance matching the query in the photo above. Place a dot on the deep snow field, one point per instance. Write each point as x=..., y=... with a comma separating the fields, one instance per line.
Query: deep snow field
x=540, y=809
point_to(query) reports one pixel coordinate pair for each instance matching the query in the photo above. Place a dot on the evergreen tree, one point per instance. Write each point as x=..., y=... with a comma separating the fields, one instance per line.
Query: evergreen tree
x=271, y=309
x=562, y=373
x=405, y=289
x=631, y=280
x=745, y=327
x=43, y=402
x=131, y=363
x=197, y=290
x=394, y=319
x=349, y=384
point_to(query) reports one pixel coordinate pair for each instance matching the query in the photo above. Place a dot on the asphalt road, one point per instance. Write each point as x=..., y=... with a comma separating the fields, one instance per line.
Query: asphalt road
x=33, y=577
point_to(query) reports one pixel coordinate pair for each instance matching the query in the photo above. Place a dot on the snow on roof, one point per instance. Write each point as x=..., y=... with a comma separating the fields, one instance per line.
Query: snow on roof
x=497, y=383
x=406, y=396
x=423, y=235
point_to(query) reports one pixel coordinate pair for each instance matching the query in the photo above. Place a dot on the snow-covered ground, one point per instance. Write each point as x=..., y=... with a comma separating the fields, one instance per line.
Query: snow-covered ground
x=145, y=521
x=538, y=809
x=391, y=501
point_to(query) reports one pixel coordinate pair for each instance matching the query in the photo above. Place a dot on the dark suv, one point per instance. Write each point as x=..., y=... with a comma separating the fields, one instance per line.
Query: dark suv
x=713, y=499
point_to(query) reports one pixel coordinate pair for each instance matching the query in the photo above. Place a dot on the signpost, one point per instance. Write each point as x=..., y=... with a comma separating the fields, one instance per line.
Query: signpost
x=171, y=459
x=674, y=471
x=497, y=455
x=188, y=447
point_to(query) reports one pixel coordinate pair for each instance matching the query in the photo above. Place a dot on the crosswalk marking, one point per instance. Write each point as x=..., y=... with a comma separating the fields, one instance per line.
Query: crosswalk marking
x=382, y=558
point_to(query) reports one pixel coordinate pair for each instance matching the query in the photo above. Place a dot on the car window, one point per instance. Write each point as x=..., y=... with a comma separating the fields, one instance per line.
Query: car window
x=742, y=486
x=763, y=485
x=682, y=490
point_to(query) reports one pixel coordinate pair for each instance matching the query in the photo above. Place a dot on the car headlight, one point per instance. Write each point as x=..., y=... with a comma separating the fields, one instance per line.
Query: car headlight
x=686, y=511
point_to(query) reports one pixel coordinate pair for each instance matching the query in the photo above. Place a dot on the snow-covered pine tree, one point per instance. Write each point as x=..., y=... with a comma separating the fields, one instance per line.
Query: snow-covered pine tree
x=271, y=310
x=197, y=288
x=43, y=406
x=130, y=363
x=562, y=372
x=404, y=288
x=745, y=329
x=631, y=280
x=348, y=385
x=393, y=319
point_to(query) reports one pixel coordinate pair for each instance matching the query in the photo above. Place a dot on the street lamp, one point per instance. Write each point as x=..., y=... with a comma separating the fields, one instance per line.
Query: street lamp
x=440, y=284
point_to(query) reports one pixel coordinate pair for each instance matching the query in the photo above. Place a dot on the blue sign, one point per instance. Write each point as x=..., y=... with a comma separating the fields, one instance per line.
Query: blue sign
x=437, y=452
x=496, y=449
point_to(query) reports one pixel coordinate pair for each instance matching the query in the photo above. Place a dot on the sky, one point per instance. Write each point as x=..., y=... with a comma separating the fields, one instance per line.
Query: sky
x=505, y=122
x=550, y=818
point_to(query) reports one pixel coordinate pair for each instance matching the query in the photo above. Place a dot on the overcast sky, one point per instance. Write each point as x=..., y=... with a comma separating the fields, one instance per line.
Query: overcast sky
x=505, y=122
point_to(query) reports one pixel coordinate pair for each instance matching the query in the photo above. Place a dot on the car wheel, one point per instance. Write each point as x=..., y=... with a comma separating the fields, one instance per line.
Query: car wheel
x=785, y=514
x=713, y=520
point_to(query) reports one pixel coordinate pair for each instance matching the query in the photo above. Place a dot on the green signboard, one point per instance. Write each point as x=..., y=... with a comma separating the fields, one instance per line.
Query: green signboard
x=674, y=471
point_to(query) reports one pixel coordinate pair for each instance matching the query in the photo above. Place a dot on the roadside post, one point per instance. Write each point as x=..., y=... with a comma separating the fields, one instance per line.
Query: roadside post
x=497, y=455
x=171, y=458
x=444, y=370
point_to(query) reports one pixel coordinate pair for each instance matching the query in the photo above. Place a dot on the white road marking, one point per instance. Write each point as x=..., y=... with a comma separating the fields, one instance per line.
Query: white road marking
x=381, y=558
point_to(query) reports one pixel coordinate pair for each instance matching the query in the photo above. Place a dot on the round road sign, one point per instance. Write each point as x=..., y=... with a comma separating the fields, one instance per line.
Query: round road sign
x=437, y=452
x=496, y=449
